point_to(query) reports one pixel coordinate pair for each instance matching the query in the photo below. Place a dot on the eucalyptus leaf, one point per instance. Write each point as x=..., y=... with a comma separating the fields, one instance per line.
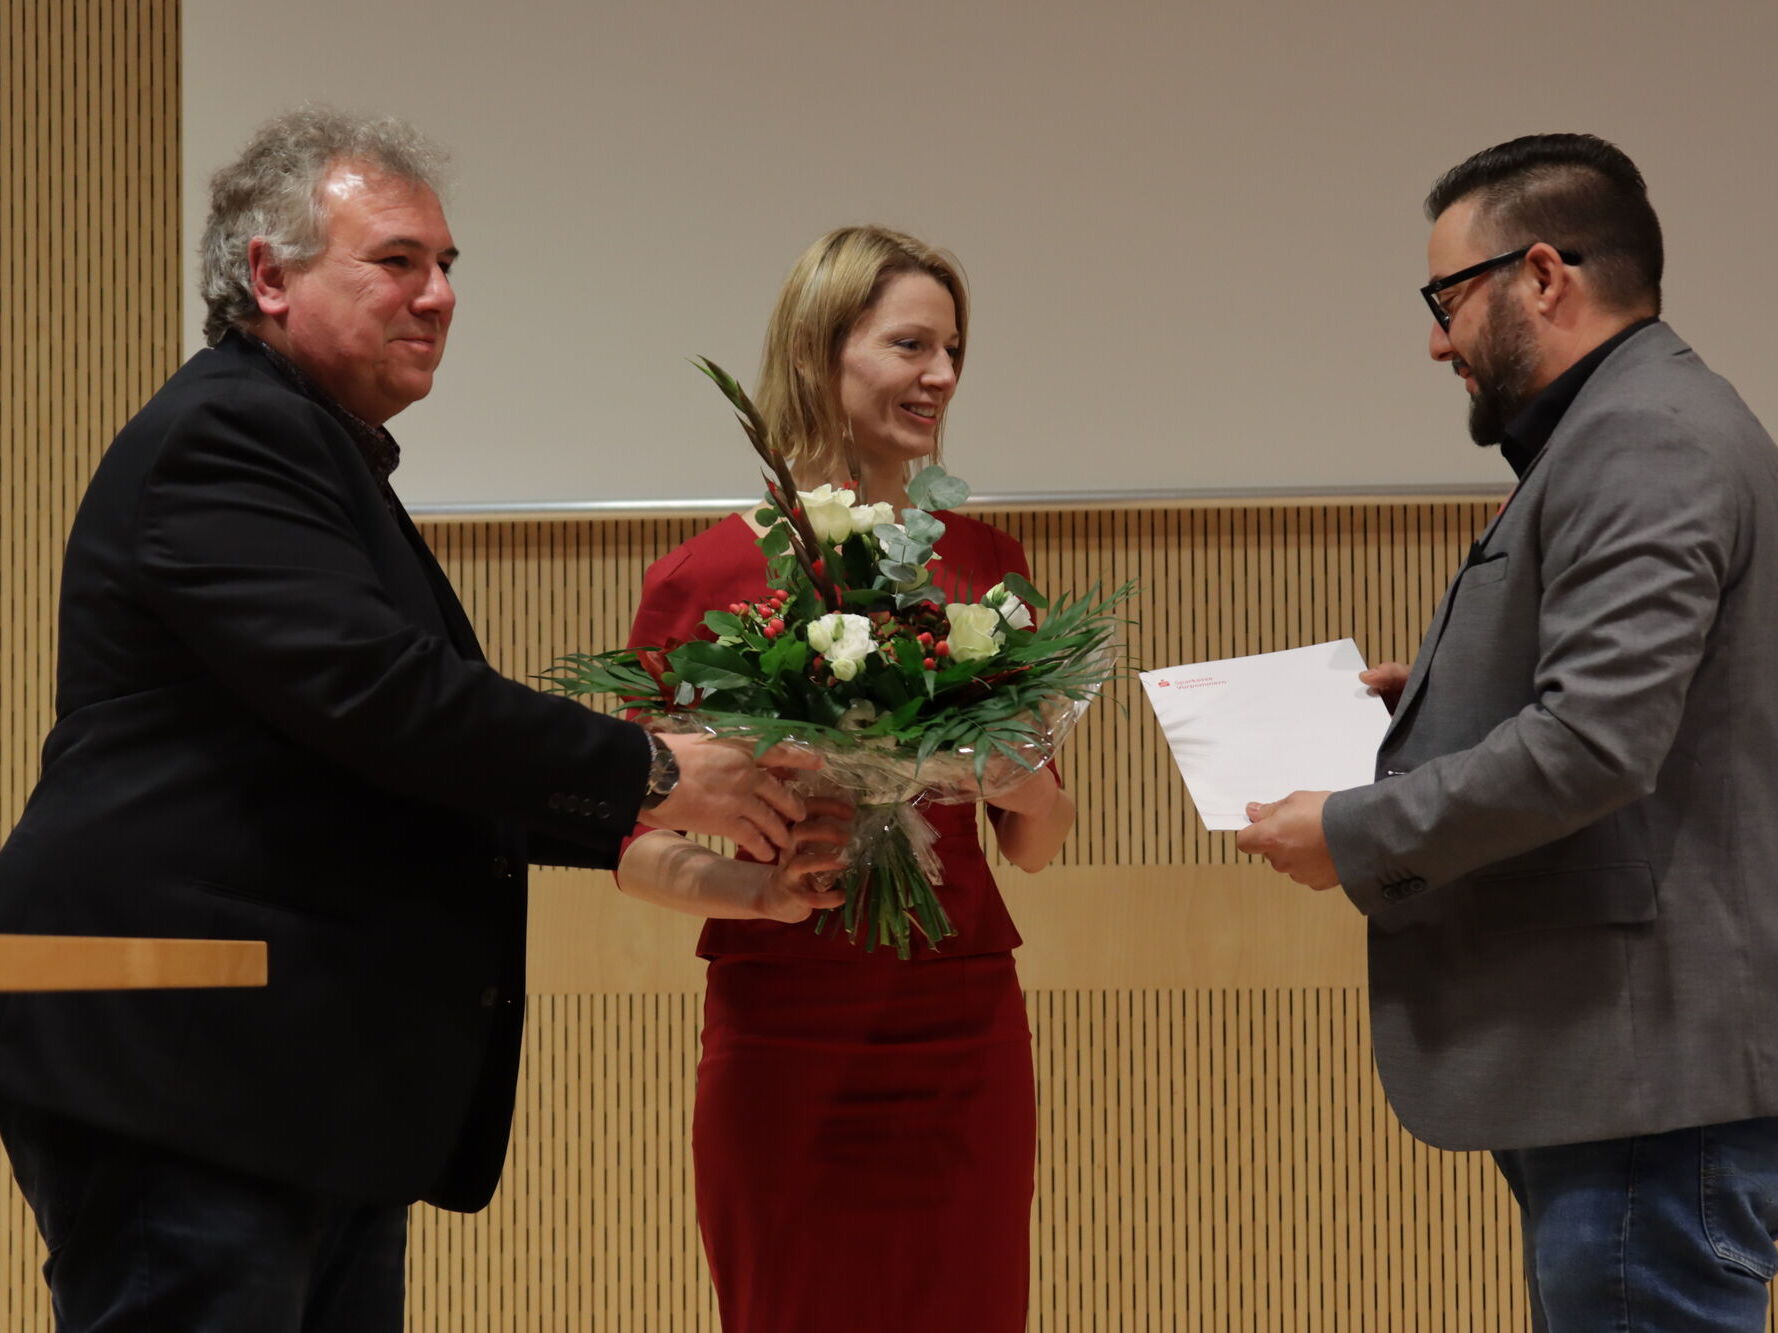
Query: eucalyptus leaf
x=922, y=527
x=899, y=546
x=933, y=488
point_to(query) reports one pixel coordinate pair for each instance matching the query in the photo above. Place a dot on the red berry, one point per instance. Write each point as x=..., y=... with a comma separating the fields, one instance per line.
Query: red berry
x=930, y=665
x=776, y=626
x=944, y=648
x=926, y=641
x=820, y=567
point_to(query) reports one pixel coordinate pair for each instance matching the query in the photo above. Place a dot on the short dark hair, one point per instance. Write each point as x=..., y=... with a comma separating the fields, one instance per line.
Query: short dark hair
x=1573, y=191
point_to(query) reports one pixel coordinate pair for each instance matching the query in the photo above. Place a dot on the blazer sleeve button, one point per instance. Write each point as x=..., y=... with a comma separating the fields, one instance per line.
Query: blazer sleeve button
x=603, y=809
x=500, y=868
x=490, y=997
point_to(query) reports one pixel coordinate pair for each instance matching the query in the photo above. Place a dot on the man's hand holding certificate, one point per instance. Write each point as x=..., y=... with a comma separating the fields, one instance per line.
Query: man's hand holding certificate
x=1261, y=740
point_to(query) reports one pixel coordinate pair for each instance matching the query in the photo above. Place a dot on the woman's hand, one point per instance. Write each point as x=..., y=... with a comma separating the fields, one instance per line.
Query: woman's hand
x=1032, y=796
x=790, y=890
x=1036, y=819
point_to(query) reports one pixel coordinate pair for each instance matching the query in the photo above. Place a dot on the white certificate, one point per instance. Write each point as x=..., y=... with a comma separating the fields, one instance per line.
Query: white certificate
x=1258, y=728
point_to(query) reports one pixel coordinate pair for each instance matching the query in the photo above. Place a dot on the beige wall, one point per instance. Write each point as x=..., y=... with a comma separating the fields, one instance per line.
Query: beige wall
x=1193, y=230
x=1215, y=1153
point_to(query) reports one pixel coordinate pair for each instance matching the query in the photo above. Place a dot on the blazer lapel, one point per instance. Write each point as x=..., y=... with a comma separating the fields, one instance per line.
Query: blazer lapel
x=1657, y=340
x=457, y=627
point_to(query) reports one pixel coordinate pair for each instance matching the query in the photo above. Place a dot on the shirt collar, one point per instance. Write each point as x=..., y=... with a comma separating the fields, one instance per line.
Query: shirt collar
x=1531, y=428
x=381, y=453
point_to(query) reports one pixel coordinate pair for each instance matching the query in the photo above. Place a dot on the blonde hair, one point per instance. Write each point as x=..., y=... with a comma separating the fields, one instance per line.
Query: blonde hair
x=835, y=282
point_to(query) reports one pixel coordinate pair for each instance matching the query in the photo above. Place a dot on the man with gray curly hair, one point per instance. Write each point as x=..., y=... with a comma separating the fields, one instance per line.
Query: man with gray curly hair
x=273, y=721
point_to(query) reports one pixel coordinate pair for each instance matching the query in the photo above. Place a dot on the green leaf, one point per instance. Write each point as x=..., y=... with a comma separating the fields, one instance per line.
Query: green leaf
x=1021, y=587
x=786, y=654
x=934, y=488
x=914, y=596
x=711, y=666
x=899, y=546
x=922, y=527
x=775, y=541
x=723, y=624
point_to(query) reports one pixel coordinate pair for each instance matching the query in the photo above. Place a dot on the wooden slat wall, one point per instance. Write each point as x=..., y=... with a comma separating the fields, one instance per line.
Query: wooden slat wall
x=89, y=327
x=1215, y=1151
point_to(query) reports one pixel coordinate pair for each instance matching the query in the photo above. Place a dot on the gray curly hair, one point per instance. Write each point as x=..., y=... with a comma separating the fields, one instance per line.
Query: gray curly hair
x=274, y=190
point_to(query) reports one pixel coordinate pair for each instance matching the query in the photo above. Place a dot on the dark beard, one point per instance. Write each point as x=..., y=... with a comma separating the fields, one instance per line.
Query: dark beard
x=1503, y=368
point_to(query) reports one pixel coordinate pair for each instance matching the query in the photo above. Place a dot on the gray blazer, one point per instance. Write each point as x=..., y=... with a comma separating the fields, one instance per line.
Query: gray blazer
x=1568, y=858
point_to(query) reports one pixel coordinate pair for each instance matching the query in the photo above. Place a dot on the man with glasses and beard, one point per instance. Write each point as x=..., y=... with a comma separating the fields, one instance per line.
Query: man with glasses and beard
x=1566, y=859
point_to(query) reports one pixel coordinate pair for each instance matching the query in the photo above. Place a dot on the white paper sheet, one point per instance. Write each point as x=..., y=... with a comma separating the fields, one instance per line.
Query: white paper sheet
x=1258, y=728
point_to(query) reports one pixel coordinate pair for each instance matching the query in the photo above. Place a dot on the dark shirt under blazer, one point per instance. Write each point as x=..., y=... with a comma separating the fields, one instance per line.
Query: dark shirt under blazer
x=273, y=722
x=1568, y=858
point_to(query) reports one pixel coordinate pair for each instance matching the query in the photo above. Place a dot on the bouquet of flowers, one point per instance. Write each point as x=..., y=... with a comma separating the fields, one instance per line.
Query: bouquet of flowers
x=909, y=697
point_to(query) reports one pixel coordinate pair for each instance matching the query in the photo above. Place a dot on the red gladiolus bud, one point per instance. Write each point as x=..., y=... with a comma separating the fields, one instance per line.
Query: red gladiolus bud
x=944, y=648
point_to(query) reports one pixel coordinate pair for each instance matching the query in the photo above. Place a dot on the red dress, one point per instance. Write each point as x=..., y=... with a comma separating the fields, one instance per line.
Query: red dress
x=865, y=1129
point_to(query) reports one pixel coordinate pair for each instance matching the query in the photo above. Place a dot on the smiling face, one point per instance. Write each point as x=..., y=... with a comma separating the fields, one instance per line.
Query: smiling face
x=1491, y=344
x=368, y=318
x=898, y=369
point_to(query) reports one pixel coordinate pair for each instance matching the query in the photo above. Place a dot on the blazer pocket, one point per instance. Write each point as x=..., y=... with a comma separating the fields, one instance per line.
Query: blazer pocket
x=1483, y=572
x=1605, y=895
x=305, y=905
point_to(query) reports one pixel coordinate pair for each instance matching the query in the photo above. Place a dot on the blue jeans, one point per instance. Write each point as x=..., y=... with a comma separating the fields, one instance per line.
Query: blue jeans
x=144, y=1241
x=1662, y=1233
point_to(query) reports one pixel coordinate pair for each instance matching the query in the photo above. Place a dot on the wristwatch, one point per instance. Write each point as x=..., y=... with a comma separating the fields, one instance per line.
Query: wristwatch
x=663, y=771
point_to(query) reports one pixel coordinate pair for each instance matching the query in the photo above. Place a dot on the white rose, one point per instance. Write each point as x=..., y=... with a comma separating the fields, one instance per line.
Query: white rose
x=1014, y=611
x=842, y=639
x=865, y=518
x=975, y=631
x=829, y=511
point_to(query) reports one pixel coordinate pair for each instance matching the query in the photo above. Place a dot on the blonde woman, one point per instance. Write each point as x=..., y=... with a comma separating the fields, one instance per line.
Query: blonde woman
x=865, y=1127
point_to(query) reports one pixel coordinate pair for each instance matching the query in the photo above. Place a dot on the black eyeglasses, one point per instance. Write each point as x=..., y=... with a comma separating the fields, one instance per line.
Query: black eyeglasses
x=1432, y=289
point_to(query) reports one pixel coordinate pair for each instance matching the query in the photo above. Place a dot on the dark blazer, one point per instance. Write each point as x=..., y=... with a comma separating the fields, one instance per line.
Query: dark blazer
x=1567, y=863
x=273, y=722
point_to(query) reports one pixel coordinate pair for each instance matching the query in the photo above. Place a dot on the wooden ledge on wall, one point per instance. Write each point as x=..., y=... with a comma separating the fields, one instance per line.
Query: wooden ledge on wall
x=69, y=962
